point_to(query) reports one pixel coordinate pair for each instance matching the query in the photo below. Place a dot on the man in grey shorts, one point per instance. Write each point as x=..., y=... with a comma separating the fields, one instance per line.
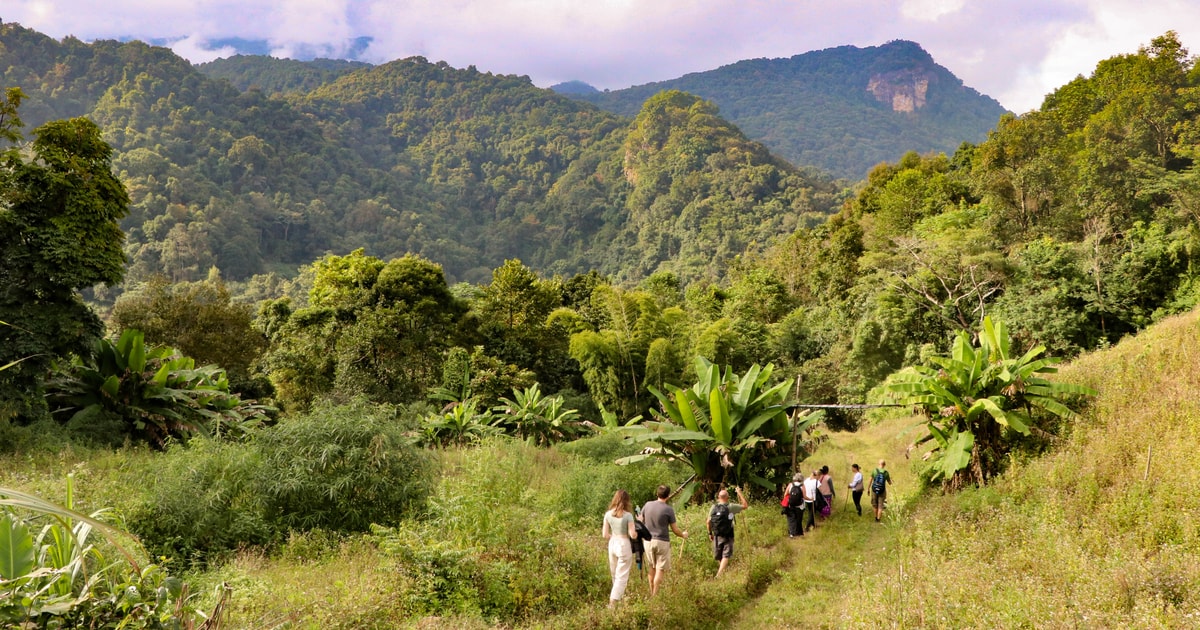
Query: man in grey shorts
x=659, y=517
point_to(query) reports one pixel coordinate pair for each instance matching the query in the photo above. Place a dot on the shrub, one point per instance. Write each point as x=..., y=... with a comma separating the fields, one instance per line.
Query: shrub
x=204, y=499
x=344, y=467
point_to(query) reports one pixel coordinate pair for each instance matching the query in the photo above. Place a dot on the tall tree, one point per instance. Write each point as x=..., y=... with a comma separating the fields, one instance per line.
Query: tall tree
x=59, y=234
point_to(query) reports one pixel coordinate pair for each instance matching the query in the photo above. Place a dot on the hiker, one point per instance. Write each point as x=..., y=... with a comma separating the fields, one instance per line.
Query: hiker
x=811, y=487
x=879, y=481
x=619, y=531
x=856, y=488
x=659, y=517
x=795, y=505
x=826, y=492
x=720, y=526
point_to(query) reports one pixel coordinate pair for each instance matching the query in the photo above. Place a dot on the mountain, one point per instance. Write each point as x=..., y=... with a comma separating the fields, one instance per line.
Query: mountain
x=277, y=76
x=574, y=87
x=841, y=109
x=465, y=168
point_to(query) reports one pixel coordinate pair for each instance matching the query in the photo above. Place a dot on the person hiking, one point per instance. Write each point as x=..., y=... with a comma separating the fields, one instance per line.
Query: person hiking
x=811, y=487
x=826, y=492
x=720, y=526
x=795, y=507
x=856, y=488
x=879, y=483
x=659, y=517
x=619, y=531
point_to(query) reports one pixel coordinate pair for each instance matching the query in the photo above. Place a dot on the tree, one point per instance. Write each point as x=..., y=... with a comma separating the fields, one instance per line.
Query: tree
x=977, y=398
x=729, y=429
x=59, y=234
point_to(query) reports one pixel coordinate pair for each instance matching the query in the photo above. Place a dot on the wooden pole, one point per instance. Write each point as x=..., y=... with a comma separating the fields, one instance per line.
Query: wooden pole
x=795, y=425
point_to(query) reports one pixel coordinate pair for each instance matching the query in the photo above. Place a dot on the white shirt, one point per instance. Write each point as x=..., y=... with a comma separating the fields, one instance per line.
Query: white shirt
x=857, y=480
x=810, y=488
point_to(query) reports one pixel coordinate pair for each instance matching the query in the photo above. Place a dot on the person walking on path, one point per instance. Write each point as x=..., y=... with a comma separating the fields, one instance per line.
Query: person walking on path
x=659, y=517
x=879, y=483
x=720, y=526
x=856, y=488
x=795, y=507
x=619, y=531
x=811, y=487
x=826, y=491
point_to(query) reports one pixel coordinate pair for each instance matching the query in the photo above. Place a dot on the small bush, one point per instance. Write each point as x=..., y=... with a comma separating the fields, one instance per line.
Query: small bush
x=204, y=499
x=604, y=448
x=339, y=468
x=587, y=489
x=343, y=467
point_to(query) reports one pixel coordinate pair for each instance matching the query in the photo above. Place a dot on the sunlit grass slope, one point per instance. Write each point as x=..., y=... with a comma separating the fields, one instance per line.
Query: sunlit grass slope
x=1103, y=532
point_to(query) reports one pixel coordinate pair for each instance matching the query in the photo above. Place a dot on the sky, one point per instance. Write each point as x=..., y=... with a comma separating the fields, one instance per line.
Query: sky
x=1015, y=51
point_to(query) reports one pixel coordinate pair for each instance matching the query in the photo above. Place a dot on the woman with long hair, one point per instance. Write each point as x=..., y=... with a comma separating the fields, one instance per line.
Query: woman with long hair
x=619, y=531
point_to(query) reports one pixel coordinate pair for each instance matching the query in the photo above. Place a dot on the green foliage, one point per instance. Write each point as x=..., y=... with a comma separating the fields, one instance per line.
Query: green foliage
x=461, y=425
x=834, y=108
x=59, y=210
x=976, y=397
x=541, y=419
x=731, y=430
x=127, y=390
x=200, y=320
x=338, y=468
x=59, y=578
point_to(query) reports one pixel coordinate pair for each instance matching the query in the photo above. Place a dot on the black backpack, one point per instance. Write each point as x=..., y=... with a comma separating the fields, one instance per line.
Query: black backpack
x=643, y=536
x=796, y=496
x=722, y=521
x=879, y=482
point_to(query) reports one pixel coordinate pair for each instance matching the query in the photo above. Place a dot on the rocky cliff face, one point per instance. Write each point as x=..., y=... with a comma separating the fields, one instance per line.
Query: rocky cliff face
x=905, y=90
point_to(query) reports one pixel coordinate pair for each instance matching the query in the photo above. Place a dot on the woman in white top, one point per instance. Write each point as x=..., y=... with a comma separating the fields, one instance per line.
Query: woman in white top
x=619, y=531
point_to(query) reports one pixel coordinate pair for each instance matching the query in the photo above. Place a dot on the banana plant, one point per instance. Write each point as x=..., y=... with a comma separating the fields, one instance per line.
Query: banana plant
x=461, y=425
x=977, y=398
x=540, y=418
x=729, y=429
x=155, y=392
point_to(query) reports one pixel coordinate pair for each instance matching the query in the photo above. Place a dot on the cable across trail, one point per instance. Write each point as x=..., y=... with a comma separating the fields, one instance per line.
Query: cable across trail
x=823, y=579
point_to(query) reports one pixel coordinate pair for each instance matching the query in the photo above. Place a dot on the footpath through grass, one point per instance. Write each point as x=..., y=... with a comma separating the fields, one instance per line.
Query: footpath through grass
x=818, y=588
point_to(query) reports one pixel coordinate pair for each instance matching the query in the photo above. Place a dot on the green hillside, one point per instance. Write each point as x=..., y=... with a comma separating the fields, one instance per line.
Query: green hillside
x=465, y=168
x=277, y=76
x=842, y=109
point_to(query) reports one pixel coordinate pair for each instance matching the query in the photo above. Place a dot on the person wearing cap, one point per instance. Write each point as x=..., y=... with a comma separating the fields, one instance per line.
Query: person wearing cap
x=812, y=485
x=720, y=526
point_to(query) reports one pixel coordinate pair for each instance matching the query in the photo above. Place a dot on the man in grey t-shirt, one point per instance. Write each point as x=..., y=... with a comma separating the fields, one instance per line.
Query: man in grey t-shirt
x=659, y=517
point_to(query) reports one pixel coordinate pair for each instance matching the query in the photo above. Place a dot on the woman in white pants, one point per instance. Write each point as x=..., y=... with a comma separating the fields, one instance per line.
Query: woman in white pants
x=619, y=531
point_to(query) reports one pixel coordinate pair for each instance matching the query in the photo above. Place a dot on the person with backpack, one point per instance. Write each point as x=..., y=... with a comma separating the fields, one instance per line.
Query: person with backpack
x=619, y=530
x=720, y=526
x=879, y=483
x=812, y=485
x=793, y=496
x=856, y=488
x=659, y=517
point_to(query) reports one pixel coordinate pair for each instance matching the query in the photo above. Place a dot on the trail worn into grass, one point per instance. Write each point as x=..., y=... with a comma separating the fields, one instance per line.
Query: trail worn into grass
x=823, y=579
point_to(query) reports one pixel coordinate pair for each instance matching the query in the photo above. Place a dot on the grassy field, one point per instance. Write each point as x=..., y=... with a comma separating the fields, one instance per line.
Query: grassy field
x=1103, y=531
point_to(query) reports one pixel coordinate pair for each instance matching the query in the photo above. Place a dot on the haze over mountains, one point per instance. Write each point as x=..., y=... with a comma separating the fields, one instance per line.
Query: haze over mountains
x=843, y=109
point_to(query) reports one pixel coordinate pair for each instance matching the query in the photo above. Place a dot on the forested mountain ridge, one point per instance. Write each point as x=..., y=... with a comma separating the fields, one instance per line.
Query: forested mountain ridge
x=463, y=167
x=277, y=76
x=842, y=109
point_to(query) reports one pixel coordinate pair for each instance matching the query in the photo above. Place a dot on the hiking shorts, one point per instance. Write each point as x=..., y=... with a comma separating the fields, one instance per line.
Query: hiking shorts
x=722, y=547
x=658, y=554
x=878, y=500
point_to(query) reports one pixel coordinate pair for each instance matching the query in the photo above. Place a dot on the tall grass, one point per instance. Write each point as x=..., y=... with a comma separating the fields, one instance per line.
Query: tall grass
x=1101, y=532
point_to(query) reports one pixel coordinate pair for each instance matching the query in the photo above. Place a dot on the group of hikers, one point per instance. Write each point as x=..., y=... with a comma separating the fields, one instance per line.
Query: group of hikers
x=646, y=536
x=813, y=496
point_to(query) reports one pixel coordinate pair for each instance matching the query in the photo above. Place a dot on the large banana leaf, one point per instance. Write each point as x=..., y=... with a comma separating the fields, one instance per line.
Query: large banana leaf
x=16, y=548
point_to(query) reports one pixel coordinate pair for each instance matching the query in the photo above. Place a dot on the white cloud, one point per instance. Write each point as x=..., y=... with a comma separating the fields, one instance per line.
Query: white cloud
x=1014, y=50
x=197, y=51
